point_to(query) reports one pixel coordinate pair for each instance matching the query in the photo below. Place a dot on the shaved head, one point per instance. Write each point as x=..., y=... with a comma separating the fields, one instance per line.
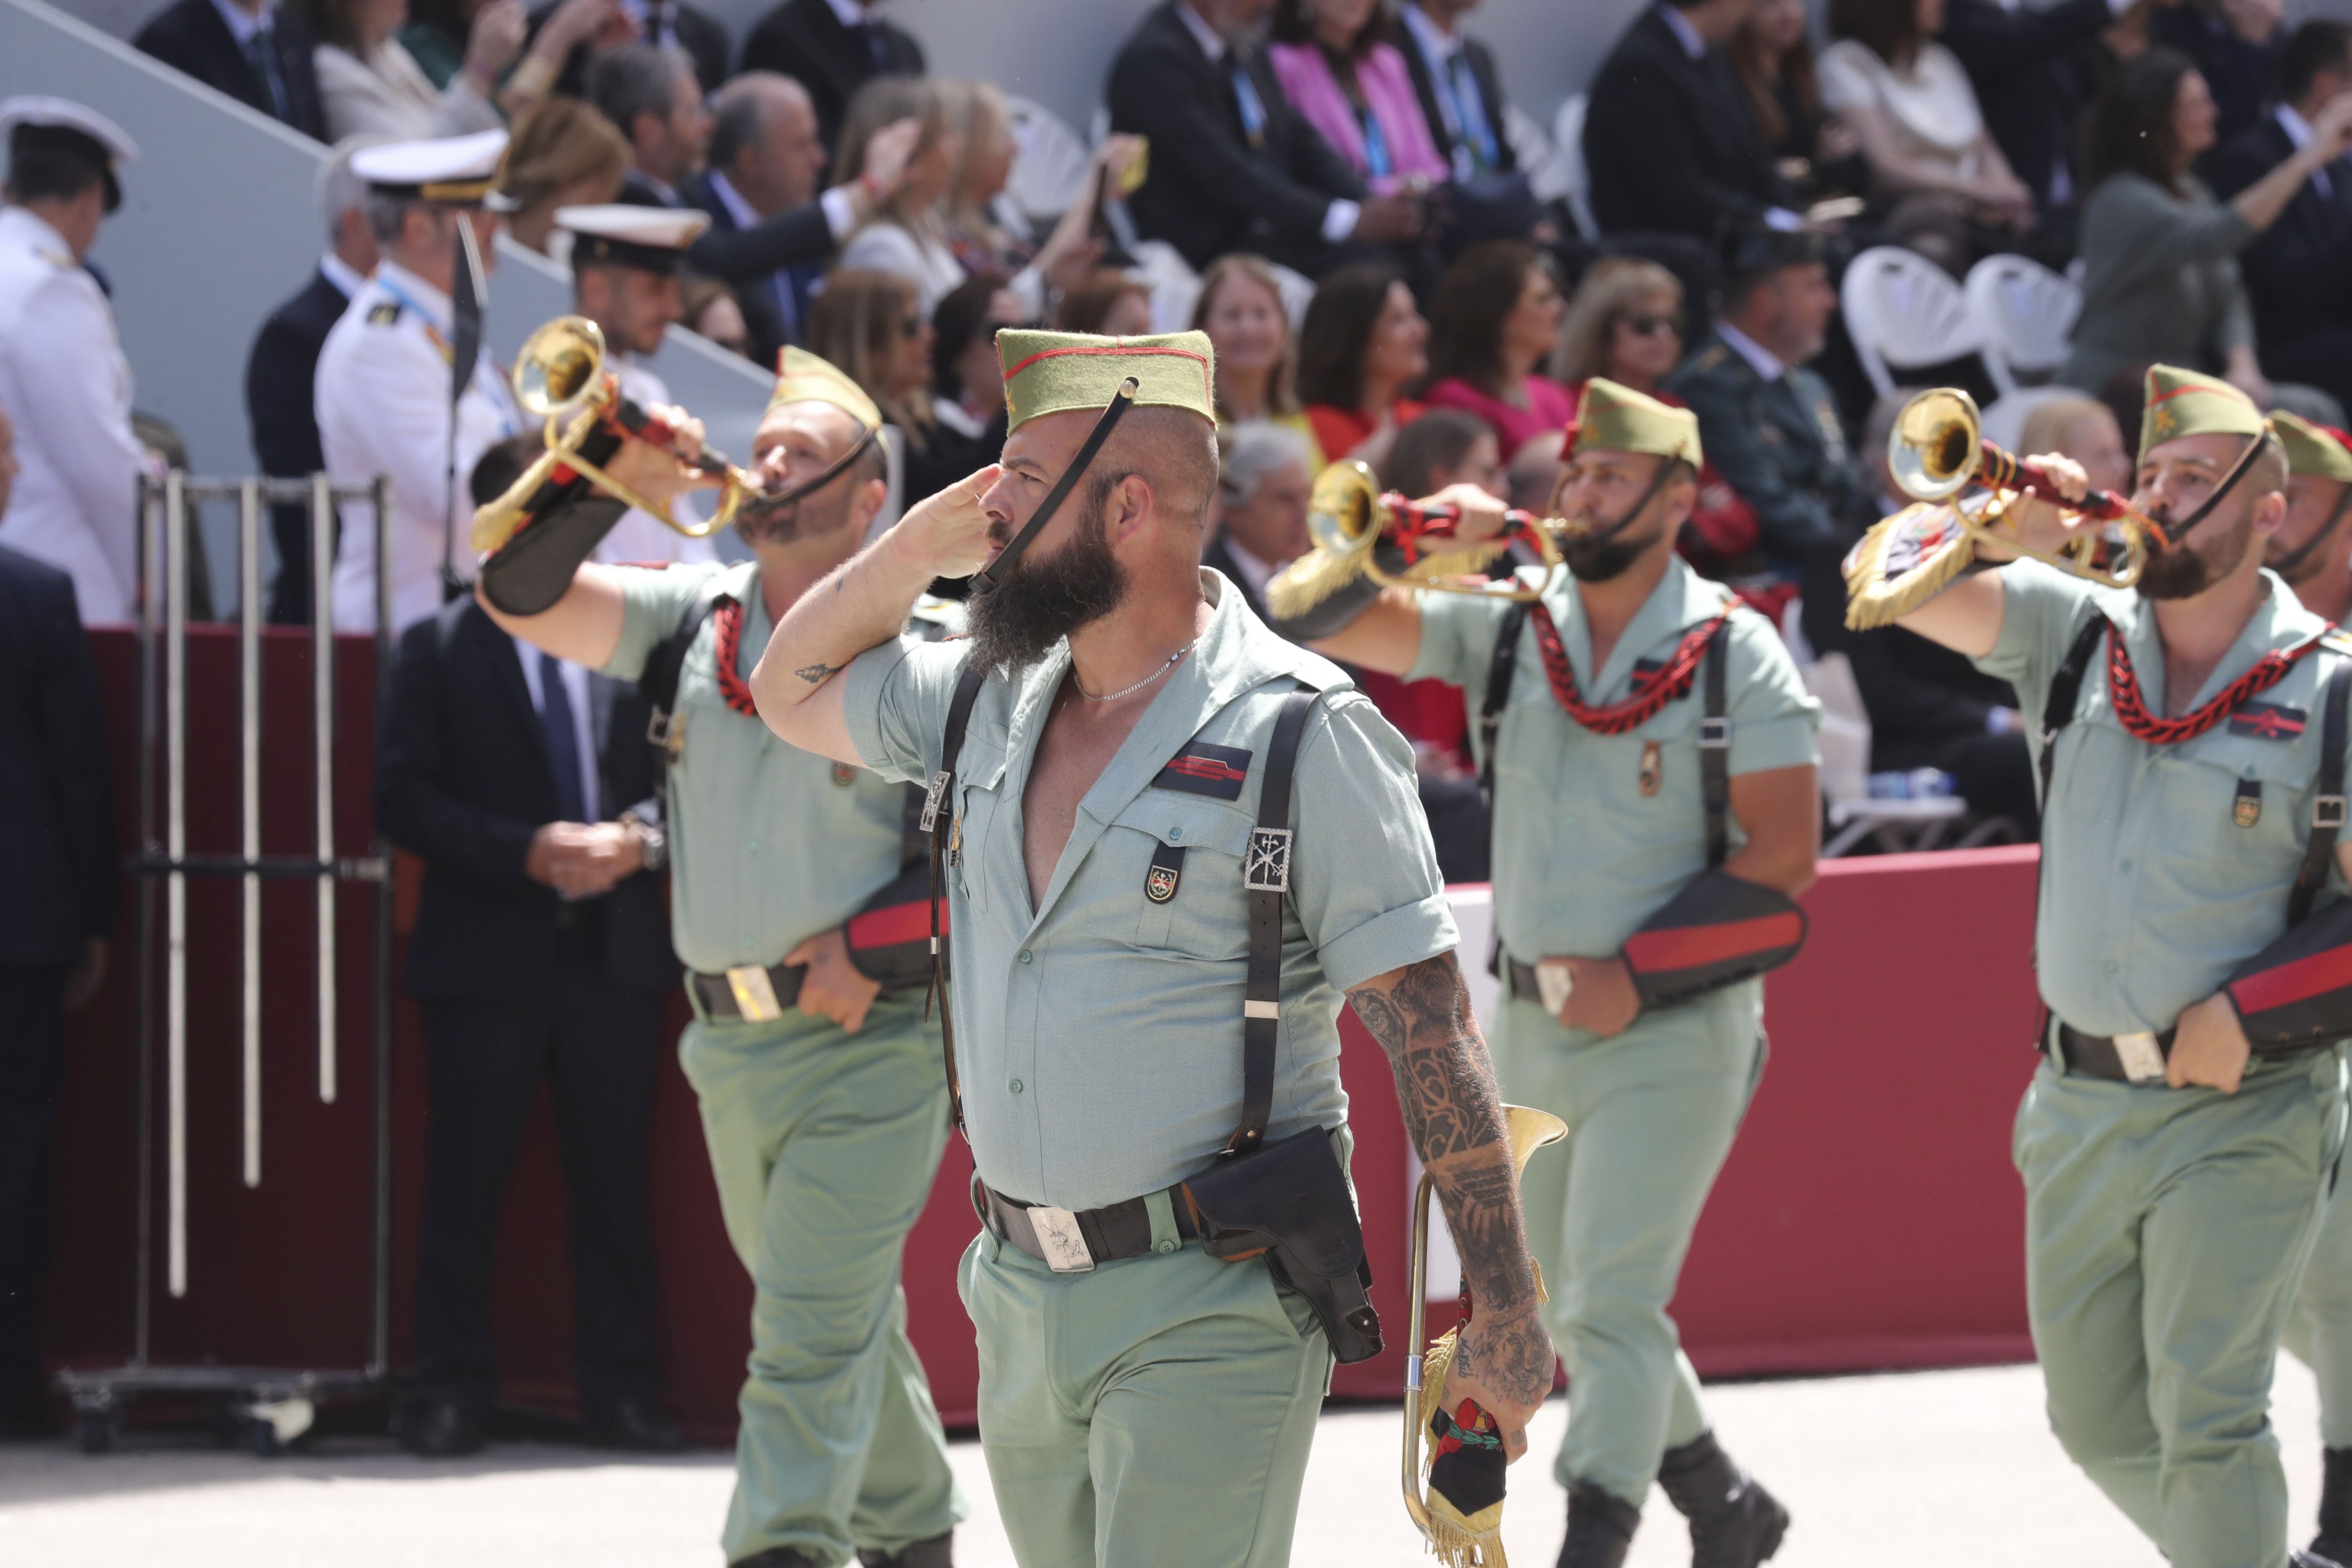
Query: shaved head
x=1174, y=451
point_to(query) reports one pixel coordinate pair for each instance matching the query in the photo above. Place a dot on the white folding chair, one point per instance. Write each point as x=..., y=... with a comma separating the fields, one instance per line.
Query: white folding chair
x=1175, y=287
x=1903, y=311
x=1844, y=742
x=1049, y=161
x=1568, y=168
x=2024, y=316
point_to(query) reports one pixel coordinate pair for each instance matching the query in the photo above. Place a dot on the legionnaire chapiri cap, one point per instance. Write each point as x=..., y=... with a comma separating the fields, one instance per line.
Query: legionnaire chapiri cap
x=2314, y=451
x=2188, y=403
x=1053, y=373
x=37, y=124
x=448, y=171
x=804, y=377
x=618, y=234
x=1614, y=418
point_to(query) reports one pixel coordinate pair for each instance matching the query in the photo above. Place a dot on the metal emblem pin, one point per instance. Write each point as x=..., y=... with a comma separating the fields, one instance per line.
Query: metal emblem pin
x=1160, y=885
x=2247, y=809
x=844, y=775
x=1653, y=767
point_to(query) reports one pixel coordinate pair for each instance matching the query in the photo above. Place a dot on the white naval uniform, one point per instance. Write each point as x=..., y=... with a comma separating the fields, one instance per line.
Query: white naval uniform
x=383, y=402
x=638, y=538
x=66, y=387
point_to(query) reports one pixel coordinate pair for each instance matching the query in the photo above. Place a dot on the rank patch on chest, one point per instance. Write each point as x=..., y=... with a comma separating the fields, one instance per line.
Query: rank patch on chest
x=383, y=315
x=1204, y=769
x=2268, y=721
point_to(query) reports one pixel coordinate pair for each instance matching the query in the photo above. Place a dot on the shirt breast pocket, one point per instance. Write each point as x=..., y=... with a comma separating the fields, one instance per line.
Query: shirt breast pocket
x=2242, y=804
x=979, y=787
x=1183, y=856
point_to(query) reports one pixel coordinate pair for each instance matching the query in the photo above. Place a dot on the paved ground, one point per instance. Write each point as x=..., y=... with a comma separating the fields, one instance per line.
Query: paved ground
x=1932, y=1470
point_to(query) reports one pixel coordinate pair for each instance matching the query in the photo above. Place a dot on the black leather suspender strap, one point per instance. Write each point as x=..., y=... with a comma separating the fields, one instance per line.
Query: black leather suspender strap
x=2327, y=802
x=938, y=820
x=1265, y=874
x=2066, y=692
x=1009, y=556
x=1501, y=671
x=1714, y=750
x=657, y=682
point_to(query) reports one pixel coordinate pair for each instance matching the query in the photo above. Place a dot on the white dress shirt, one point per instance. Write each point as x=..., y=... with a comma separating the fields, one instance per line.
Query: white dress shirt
x=1768, y=366
x=383, y=402
x=583, y=721
x=2298, y=132
x=640, y=538
x=346, y=278
x=66, y=387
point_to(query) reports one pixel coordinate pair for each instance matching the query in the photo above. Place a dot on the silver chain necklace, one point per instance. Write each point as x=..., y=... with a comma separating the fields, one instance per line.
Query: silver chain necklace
x=1130, y=691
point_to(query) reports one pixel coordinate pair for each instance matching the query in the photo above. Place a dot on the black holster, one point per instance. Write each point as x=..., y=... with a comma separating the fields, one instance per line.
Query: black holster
x=1290, y=1202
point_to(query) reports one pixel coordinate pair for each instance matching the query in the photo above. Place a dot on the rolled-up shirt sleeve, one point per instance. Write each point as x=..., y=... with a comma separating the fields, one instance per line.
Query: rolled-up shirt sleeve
x=653, y=600
x=894, y=698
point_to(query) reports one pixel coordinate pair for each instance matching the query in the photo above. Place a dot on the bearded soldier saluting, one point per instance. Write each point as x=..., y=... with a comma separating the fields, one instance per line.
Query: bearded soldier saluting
x=1649, y=750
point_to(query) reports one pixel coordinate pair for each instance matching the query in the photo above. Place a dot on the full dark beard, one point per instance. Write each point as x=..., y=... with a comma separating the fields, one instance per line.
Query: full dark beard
x=1598, y=561
x=1016, y=622
x=2186, y=571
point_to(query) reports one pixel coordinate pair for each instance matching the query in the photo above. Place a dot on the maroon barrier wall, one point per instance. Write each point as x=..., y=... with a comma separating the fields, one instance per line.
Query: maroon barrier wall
x=1868, y=1216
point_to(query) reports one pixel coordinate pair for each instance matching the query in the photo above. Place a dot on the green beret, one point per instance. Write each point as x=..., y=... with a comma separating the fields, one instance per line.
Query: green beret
x=2314, y=451
x=1047, y=372
x=1614, y=418
x=2184, y=403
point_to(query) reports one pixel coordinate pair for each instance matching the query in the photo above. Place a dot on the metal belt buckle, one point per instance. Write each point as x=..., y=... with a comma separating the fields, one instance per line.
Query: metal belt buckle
x=931, y=798
x=2143, y=1061
x=2327, y=811
x=1267, y=869
x=755, y=994
x=1555, y=983
x=1713, y=734
x=1059, y=1238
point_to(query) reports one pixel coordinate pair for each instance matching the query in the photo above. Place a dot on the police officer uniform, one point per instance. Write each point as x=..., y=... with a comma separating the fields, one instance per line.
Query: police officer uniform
x=64, y=382
x=2166, y=1229
x=1141, y=1401
x=654, y=240
x=1594, y=833
x=384, y=401
x=823, y=1143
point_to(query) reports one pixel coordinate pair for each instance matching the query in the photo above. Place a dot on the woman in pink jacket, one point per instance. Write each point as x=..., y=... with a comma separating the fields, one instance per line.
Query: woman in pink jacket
x=1344, y=78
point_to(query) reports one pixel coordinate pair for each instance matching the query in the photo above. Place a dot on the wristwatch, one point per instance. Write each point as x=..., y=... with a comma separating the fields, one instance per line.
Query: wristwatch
x=653, y=843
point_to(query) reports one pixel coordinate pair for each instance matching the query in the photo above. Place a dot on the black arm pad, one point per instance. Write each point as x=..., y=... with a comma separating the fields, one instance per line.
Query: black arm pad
x=1719, y=930
x=563, y=521
x=889, y=937
x=2295, y=995
x=1336, y=613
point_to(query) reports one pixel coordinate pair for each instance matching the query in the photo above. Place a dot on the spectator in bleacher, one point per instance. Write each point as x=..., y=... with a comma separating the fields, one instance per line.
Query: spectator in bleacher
x=1233, y=166
x=967, y=412
x=1909, y=104
x=713, y=314
x=1363, y=343
x=563, y=154
x=1264, y=472
x=1461, y=91
x=2313, y=547
x=988, y=234
x=907, y=234
x=1532, y=476
x=1107, y=303
x=2027, y=64
x=657, y=23
x=2298, y=271
x=771, y=235
x=831, y=48
x=1625, y=322
x=1336, y=64
x=1669, y=143
x=256, y=51
x=284, y=364
x=1768, y=423
x=64, y=383
x=58, y=890
x=2234, y=45
x=1491, y=326
x=541, y=952
x=2161, y=276
x=370, y=85
x=871, y=325
x=1241, y=309
x=1773, y=59
x=654, y=99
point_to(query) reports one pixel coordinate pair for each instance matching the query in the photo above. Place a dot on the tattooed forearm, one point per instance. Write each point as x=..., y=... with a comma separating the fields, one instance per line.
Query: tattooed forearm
x=814, y=673
x=1446, y=1087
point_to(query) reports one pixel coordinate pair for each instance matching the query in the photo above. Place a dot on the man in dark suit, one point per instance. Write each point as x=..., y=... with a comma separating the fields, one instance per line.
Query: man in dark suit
x=57, y=879
x=661, y=25
x=1461, y=91
x=541, y=948
x=2298, y=271
x=283, y=365
x=2021, y=61
x=1669, y=143
x=255, y=52
x=1233, y=166
x=831, y=48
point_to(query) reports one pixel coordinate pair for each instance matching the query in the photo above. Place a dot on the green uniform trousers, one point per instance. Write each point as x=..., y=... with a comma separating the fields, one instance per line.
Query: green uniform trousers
x=2165, y=1232
x=825, y=1145
x=1651, y=1115
x=2319, y=1328
x=1155, y=1413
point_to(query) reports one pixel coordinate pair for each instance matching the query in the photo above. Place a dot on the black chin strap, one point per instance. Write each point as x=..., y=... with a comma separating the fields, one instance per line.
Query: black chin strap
x=1641, y=504
x=2174, y=534
x=2302, y=552
x=1009, y=556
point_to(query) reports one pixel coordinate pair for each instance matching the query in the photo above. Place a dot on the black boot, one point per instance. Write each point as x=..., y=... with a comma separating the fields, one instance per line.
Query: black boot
x=1734, y=1522
x=1599, y=1528
x=938, y=1551
x=2334, y=1538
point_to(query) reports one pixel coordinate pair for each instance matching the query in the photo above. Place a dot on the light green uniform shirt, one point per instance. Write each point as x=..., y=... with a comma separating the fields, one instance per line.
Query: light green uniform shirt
x=1582, y=856
x=2151, y=892
x=1098, y=1035
x=769, y=845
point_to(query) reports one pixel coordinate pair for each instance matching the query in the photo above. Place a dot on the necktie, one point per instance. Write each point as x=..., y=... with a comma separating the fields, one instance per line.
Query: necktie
x=1245, y=98
x=260, y=53
x=563, y=742
x=1473, y=108
x=877, y=45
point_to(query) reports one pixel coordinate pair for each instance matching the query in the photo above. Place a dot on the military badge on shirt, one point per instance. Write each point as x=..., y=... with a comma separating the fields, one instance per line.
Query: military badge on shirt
x=1204, y=769
x=2268, y=721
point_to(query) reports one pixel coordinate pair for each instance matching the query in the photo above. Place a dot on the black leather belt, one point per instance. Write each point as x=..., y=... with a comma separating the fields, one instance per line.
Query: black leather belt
x=1521, y=978
x=735, y=992
x=2124, y=1059
x=1071, y=1243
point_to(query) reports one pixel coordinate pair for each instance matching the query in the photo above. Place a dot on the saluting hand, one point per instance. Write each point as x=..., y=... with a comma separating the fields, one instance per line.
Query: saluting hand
x=2210, y=1049
x=832, y=988
x=951, y=534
